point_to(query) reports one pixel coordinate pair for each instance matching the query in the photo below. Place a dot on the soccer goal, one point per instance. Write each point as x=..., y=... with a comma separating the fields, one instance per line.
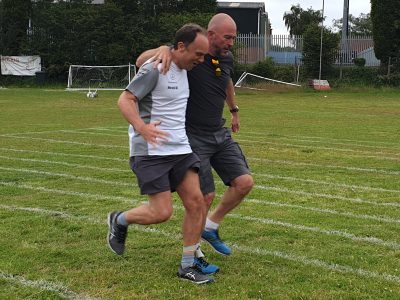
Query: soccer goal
x=256, y=82
x=81, y=77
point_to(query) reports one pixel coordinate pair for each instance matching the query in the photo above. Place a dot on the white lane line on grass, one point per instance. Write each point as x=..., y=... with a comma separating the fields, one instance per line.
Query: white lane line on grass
x=321, y=141
x=64, y=164
x=295, y=163
x=384, y=154
x=266, y=136
x=327, y=196
x=335, y=184
x=118, y=183
x=68, y=193
x=252, y=250
x=320, y=264
x=57, y=288
x=63, y=141
x=63, y=175
x=326, y=211
x=373, y=240
x=65, y=154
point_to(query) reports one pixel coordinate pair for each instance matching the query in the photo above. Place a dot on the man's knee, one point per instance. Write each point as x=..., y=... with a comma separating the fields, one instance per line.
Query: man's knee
x=162, y=215
x=243, y=184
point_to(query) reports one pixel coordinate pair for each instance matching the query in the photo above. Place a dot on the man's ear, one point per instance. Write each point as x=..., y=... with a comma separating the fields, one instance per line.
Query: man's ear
x=181, y=46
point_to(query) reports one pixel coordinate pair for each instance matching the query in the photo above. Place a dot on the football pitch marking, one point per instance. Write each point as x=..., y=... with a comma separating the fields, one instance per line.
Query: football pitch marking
x=263, y=252
x=125, y=170
x=370, y=239
x=321, y=148
x=295, y=163
x=57, y=288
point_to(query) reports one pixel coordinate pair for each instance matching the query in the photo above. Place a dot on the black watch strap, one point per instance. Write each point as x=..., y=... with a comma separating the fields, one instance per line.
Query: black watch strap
x=234, y=109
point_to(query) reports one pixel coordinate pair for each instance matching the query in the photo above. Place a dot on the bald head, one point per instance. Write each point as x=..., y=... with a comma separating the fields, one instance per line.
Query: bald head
x=220, y=21
x=221, y=33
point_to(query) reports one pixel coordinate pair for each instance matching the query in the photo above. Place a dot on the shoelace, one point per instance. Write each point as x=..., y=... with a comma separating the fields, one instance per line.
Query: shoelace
x=120, y=232
x=202, y=262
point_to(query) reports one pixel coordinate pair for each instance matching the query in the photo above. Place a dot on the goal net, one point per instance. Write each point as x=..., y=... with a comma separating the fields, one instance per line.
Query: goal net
x=256, y=82
x=81, y=77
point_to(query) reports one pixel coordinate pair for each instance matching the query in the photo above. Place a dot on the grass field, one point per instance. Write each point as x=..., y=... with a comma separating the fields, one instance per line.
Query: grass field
x=322, y=222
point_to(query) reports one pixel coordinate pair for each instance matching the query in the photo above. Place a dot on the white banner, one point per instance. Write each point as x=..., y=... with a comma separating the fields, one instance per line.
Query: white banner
x=20, y=65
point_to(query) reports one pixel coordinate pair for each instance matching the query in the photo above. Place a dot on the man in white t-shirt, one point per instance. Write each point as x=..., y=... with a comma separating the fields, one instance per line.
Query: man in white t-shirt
x=154, y=104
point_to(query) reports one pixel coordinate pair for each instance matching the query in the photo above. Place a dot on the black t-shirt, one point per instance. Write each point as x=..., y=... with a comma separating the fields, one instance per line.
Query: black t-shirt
x=208, y=93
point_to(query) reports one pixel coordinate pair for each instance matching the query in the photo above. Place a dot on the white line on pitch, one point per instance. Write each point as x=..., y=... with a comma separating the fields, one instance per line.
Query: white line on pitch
x=263, y=135
x=373, y=240
x=367, y=188
x=320, y=148
x=264, y=252
x=361, y=187
x=321, y=141
x=66, y=154
x=41, y=284
x=294, y=163
x=65, y=164
x=325, y=211
x=370, y=239
x=63, y=141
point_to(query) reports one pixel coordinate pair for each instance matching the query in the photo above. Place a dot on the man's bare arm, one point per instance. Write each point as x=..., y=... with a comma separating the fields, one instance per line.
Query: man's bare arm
x=161, y=55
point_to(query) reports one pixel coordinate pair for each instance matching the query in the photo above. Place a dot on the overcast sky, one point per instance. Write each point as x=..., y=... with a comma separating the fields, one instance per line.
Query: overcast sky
x=333, y=10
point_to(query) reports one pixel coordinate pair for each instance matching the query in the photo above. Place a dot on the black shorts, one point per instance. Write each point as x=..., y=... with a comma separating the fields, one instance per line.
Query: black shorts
x=156, y=173
x=219, y=151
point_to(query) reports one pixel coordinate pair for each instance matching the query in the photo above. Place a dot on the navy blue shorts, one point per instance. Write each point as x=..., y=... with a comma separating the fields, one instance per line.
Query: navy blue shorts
x=156, y=173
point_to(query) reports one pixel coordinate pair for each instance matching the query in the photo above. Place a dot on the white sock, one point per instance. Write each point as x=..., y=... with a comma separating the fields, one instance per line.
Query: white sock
x=210, y=225
x=198, y=252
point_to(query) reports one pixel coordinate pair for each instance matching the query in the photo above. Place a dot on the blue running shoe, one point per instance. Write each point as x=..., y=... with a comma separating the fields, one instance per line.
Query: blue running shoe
x=204, y=266
x=214, y=240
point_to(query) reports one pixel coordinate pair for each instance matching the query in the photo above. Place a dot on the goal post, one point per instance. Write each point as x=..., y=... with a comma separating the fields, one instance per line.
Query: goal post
x=257, y=82
x=83, y=77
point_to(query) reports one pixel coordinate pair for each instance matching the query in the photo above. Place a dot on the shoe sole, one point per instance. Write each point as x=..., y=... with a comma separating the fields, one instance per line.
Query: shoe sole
x=109, y=234
x=196, y=282
x=219, y=252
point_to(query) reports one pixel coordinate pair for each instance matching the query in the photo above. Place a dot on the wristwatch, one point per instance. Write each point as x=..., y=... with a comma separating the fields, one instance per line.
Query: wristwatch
x=234, y=109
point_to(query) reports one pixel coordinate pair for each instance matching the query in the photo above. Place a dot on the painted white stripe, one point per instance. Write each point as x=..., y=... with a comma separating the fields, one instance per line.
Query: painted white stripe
x=348, y=186
x=320, y=264
x=384, y=154
x=326, y=211
x=63, y=141
x=57, y=288
x=373, y=240
x=68, y=193
x=323, y=141
x=65, y=164
x=63, y=175
x=295, y=163
x=265, y=252
x=328, y=196
x=264, y=135
x=66, y=154
x=95, y=180
x=125, y=161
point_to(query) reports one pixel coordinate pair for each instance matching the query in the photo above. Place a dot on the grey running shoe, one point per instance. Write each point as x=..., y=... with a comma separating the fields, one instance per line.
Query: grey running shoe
x=194, y=275
x=116, y=233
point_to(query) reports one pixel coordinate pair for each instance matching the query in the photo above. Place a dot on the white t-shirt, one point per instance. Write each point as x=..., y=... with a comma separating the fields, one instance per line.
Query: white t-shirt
x=161, y=98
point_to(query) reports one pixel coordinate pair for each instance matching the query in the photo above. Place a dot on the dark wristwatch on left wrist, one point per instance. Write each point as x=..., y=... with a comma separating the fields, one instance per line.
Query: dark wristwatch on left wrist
x=234, y=109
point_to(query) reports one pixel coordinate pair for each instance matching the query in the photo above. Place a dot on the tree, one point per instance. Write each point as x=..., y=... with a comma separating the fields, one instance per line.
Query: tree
x=361, y=25
x=13, y=25
x=297, y=20
x=385, y=16
x=311, y=50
